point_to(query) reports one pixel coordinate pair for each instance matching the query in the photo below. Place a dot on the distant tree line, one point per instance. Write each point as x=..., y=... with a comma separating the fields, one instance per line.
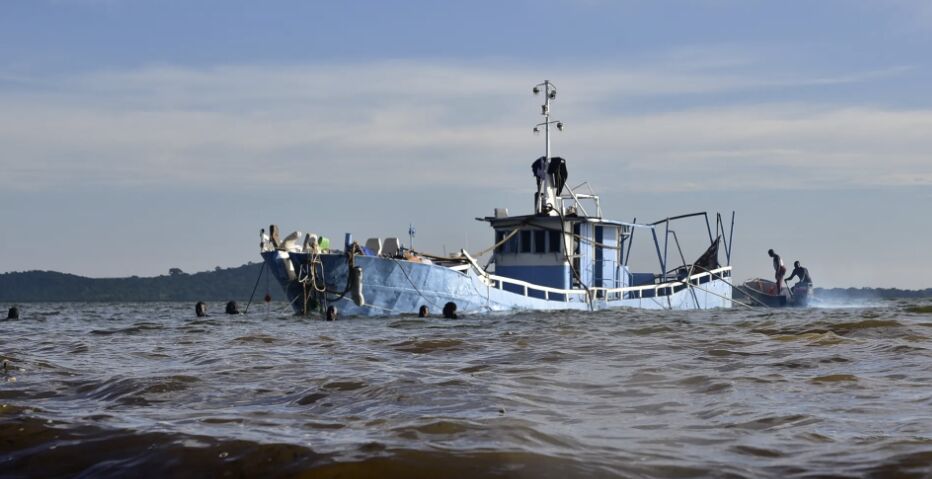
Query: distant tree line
x=237, y=283
x=871, y=293
x=219, y=285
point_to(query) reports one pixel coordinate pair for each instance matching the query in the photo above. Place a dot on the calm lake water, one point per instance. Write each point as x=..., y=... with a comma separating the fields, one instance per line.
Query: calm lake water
x=100, y=390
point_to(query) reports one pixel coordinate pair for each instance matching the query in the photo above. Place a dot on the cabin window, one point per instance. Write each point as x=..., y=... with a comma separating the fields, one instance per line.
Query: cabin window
x=499, y=236
x=576, y=230
x=576, y=259
x=598, y=240
x=540, y=241
x=525, y=241
x=512, y=245
x=555, y=241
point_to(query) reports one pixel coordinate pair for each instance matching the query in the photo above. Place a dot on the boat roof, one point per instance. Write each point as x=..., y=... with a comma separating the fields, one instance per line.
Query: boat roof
x=510, y=221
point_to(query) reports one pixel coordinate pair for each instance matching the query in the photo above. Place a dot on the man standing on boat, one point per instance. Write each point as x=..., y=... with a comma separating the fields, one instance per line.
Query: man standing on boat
x=778, y=269
x=803, y=275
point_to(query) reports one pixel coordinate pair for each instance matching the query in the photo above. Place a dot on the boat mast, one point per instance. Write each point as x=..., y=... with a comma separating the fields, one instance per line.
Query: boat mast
x=548, y=195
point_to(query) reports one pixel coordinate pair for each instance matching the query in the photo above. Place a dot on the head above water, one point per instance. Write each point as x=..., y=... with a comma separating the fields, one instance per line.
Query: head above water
x=423, y=312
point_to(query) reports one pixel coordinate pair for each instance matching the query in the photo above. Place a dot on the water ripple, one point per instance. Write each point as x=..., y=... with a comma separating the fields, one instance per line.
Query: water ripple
x=147, y=389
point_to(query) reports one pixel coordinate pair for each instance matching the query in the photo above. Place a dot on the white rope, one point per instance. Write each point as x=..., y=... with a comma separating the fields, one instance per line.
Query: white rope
x=412, y=283
x=720, y=296
x=722, y=278
x=496, y=245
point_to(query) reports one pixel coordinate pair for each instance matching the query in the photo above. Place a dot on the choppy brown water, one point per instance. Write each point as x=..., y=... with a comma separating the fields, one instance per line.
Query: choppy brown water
x=100, y=390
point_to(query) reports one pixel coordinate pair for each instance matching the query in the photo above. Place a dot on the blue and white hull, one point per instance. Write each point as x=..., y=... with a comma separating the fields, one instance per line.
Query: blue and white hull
x=394, y=287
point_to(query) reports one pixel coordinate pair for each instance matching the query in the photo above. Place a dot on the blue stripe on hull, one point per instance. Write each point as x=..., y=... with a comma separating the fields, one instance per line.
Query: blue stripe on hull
x=393, y=287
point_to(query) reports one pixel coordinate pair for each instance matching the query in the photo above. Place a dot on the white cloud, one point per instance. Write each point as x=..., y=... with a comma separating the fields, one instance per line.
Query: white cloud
x=375, y=124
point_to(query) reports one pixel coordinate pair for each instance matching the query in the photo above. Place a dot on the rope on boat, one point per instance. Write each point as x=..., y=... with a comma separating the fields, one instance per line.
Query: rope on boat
x=578, y=237
x=658, y=303
x=268, y=296
x=721, y=277
x=716, y=294
x=490, y=248
x=309, y=276
x=689, y=282
x=412, y=283
x=254, y=288
x=567, y=258
x=290, y=304
x=503, y=241
x=313, y=260
x=350, y=264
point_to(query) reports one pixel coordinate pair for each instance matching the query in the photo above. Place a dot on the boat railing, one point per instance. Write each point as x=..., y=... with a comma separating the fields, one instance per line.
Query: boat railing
x=571, y=194
x=660, y=289
x=499, y=282
x=692, y=280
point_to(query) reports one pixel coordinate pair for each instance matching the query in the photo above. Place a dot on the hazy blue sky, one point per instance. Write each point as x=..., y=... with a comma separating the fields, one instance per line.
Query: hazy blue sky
x=137, y=135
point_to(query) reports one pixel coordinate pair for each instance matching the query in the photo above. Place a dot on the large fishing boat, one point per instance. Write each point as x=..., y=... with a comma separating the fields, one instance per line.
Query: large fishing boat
x=564, y=255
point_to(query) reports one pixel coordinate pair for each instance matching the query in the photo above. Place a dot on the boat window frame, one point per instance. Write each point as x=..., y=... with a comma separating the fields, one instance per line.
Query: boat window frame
x=554, y=242
x=525, y=243
x=512, y=244
x=539, y=241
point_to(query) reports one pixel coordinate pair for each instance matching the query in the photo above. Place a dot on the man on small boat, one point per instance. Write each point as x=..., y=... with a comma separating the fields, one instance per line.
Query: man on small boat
x=778, y=269
x=802, y=274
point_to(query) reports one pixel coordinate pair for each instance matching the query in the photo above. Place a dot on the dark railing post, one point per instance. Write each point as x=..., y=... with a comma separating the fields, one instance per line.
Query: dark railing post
x=708, y=226
x=653, y=232
x=666, y=237
x=730, y=236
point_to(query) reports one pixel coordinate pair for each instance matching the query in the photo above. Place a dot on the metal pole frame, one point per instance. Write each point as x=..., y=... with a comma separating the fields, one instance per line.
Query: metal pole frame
x=689, y=215
x=731, y=235
x=660, y=257
x=666, y=237
x=549, y=89
x=630, y=242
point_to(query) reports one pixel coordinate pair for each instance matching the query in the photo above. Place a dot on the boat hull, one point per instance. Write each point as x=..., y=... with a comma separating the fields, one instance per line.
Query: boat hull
x=395, y=287
x=760, y=292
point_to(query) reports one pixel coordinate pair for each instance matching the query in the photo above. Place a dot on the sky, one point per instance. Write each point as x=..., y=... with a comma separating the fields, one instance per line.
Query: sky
x=137, y=136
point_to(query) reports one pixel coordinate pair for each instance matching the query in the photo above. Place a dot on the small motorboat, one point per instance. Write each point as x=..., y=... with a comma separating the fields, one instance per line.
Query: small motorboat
x=762, y=292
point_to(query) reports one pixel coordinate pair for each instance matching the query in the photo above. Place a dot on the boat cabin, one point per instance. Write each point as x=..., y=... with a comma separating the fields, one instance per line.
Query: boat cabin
x=564, y=252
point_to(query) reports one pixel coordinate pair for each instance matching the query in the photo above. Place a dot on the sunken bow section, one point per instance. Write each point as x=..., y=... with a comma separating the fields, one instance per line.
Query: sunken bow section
x=562, y=255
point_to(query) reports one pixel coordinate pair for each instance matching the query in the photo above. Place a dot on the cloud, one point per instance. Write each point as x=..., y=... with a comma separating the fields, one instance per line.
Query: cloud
x=771, y=146
x=381, y=124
